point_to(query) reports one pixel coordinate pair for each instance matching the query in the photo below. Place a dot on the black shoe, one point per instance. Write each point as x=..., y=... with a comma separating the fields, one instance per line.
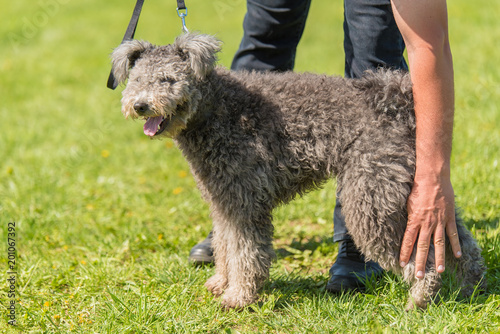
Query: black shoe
x=203, y=252
x=350, y=271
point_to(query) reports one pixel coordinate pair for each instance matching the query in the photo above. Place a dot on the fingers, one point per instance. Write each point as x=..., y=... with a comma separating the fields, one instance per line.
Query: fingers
x=422, y=252
x=431, y=216
x=452, y=232
x=439, y=249
x=409, y=239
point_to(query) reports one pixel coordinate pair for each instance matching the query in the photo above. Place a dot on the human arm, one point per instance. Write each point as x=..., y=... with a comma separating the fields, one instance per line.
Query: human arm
x=431, y=207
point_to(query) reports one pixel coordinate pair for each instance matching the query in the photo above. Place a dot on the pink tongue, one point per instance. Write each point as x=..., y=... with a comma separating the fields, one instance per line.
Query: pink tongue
x=151, y=125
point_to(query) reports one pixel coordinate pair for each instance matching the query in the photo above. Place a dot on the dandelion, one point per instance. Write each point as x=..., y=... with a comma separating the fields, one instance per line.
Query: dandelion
x=177, y=190
x=89, y=207
x=47, y=238
x=104, y=153
x=182, y=174
x=46, y=304
x=65, y=247
x=83, y=262
x=169, y=144
x=160, y=236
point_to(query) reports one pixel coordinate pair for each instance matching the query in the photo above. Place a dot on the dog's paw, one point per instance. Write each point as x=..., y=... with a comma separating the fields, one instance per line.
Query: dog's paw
x=236, y=300
x=216, y=284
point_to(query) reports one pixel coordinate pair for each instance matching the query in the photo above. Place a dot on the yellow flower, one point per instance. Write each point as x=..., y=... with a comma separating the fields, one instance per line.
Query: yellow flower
x=105, y=153
x=46, y=304
x=169, y=144
x=65, y=247
x=90, y=207
x=177, y=190
x=160, y=236
x=83, y=262
x=10, y=170
x=182, y=174
x=47, y=238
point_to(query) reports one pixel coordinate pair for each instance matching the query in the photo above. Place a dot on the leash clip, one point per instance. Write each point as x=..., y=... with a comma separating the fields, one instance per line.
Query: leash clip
x=183, y=15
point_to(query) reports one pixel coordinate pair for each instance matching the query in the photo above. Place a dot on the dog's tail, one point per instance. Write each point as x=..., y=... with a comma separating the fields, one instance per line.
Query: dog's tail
x=389, y=92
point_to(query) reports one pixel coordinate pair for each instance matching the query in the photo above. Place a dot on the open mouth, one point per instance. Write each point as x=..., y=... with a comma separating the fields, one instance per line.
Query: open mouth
x=155, y=125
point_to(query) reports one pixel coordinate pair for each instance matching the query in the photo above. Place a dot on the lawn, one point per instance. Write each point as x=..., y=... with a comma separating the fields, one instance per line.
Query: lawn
x=105, y=218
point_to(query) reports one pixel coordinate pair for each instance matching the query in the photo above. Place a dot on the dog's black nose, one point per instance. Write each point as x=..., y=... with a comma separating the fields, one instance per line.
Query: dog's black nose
x=141, y=107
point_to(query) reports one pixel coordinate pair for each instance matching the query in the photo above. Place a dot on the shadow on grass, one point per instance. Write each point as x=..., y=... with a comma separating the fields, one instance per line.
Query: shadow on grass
x=324, y=244
x=289, y=291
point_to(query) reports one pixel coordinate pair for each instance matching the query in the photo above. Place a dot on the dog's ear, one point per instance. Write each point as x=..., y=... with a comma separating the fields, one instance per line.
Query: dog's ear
x=201, y=51
x=125, y=55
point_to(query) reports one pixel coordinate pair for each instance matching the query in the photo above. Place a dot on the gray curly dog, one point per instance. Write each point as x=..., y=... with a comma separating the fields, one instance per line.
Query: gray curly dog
x=257, y=140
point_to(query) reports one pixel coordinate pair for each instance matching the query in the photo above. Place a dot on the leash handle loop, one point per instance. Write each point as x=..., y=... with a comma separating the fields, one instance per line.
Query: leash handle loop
x=180, y=5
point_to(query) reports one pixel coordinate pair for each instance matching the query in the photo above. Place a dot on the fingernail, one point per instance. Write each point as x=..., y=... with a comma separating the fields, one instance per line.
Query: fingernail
x=459, y=253
x=402, y=263
x=420, y=274
x=441, y=268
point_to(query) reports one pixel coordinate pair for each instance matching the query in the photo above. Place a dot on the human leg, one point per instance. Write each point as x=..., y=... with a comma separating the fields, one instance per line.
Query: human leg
x=371, y=37
x=271, y=32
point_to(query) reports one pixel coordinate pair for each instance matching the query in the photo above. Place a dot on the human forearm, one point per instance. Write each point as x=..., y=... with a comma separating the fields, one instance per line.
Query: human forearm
x=433, y=88
x=431, y=207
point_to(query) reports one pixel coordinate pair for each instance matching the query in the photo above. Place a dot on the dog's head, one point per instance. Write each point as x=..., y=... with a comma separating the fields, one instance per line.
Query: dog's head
x=162, y=80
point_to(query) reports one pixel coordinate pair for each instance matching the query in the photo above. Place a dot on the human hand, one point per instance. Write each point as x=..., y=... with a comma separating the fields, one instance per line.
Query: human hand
x=431, y=213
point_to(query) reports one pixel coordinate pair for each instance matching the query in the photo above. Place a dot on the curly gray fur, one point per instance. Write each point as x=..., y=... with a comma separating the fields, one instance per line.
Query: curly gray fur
x=256, y=140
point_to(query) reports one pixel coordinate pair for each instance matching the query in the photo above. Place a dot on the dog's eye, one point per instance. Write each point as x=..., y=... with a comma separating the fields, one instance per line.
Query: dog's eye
x=168, y=80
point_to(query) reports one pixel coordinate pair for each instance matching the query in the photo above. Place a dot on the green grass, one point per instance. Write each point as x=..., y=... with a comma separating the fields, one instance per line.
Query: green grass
x=106, y=218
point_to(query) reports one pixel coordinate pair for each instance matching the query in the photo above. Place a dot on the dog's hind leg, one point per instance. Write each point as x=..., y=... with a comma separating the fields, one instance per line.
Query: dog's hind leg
x=374, y=191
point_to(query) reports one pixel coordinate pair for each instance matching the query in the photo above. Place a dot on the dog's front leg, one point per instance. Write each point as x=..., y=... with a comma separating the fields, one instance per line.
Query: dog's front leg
x=217, y=284
x=246, y=254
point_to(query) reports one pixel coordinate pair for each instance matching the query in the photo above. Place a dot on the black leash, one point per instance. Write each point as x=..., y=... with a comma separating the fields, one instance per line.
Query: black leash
x=129, y=34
